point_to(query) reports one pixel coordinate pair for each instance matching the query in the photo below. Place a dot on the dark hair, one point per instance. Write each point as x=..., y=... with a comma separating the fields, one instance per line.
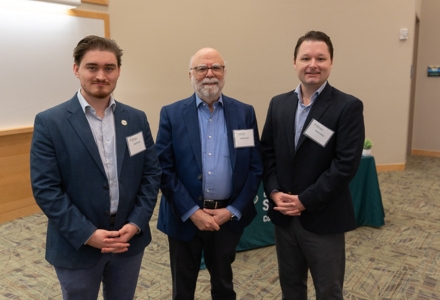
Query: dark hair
x=93, y=42
x=314, y=36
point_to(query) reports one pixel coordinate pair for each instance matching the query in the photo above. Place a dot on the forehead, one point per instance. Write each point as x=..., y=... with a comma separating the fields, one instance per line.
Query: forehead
x=207, y=57
x=99, y=57
x=313, y=48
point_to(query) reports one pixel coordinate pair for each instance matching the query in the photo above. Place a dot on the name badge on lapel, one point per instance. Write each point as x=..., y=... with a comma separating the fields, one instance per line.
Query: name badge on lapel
x=244, y=138
x=318, y=132
x=136, y=143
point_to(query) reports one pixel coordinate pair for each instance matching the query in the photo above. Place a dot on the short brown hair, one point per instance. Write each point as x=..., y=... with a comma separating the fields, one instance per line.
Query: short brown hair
x=314, y=36
x=93, y=42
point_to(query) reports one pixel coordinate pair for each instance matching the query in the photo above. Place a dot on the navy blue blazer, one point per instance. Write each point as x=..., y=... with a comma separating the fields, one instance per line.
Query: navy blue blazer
x=70, y=185
x=320, y=176
x=179, y=150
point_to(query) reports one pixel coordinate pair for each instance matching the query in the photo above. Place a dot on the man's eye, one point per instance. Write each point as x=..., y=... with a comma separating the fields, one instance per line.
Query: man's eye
x=216, y=69
x=201, y=69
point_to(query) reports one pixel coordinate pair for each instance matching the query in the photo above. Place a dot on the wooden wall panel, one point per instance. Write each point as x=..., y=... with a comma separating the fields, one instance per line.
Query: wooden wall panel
x=16, y=198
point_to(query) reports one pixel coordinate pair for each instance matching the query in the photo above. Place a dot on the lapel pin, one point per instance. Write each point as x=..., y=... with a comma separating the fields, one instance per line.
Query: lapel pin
x=124, y=122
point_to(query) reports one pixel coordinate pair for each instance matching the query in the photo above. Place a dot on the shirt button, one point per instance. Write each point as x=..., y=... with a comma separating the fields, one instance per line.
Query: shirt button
x=209, y=173
x=209, y=154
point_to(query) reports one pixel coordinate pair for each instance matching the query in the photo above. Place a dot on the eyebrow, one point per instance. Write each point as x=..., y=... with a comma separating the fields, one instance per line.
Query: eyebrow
x=95, y=64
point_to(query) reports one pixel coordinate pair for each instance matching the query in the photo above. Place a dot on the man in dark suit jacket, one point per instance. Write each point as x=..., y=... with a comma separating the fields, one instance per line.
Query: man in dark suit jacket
x=209, y=150
x=312, y=144
x=95, y=175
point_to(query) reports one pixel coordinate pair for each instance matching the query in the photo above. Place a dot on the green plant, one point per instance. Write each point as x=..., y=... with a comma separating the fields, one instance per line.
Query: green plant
x=368, y=144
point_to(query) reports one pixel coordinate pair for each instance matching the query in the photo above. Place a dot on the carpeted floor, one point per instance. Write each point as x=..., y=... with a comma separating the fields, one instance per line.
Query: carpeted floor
x=400, y=260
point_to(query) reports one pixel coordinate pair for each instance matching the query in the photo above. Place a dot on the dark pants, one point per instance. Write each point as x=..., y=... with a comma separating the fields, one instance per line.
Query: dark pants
x=299, y=250
x=219, y=253
x=118, y=274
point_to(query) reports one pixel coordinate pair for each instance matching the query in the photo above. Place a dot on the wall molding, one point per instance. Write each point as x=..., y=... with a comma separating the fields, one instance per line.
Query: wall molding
x=100, y=2
x=425, y=153
x=93, y=15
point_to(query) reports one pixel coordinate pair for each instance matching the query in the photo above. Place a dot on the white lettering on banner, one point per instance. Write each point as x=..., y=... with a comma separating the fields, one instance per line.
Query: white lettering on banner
x=266, y=219
x=265, y=204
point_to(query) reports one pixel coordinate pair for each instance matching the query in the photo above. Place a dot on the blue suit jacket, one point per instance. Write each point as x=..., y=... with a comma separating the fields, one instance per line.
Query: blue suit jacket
x=320, y=176
x=70, y=185
x=179, y=150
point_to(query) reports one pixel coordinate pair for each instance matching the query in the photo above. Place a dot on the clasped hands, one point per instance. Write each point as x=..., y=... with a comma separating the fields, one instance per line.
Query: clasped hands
x=287, y=204
x=113, y=241
x=210, y=219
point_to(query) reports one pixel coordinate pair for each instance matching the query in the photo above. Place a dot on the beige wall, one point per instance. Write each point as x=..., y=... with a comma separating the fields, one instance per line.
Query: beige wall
x=256, y=38
x=427, y=103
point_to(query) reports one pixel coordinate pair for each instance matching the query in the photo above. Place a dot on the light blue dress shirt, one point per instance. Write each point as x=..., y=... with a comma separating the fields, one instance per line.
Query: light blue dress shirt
x=216, y=159
x=105, y=138
x=302, y=110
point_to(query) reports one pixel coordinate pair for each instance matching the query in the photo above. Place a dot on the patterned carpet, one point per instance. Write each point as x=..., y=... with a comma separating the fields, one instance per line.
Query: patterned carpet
x=400, y=260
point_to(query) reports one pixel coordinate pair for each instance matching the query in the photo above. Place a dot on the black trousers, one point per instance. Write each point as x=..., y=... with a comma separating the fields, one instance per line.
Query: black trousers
x=298, y=251
x=218, y=248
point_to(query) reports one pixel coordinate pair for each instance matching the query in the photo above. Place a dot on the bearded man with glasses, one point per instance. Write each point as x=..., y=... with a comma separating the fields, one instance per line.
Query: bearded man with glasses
x=208, y=147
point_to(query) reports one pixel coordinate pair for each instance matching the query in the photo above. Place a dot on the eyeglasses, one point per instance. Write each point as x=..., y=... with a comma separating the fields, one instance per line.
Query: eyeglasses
x=203, y=70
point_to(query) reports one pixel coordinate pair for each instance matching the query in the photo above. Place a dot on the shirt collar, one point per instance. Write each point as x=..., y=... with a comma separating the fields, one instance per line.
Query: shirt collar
x=315, y=94
x=84, y=104
x=200, y=101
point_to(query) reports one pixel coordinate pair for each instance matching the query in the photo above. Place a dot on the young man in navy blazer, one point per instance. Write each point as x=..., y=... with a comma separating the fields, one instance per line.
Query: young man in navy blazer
x=208, y=147
x=95, y=175
x=312, y=144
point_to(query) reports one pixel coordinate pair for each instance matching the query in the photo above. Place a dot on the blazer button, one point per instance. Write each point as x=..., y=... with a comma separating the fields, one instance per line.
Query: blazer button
x=199, y=177
x=107, y=213
x=106, y=187
x=200, y=198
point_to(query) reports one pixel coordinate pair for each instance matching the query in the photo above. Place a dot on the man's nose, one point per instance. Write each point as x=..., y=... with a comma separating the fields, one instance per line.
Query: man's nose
x=209, y=73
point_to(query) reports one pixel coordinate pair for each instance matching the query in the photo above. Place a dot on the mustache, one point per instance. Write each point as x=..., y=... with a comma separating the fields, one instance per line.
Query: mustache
x=100, y=81
x=210, y=80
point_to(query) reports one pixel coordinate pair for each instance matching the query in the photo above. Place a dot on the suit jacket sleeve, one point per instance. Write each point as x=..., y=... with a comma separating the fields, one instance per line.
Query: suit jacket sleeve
x=48, y=189
x=171, y=185
x=147, y=192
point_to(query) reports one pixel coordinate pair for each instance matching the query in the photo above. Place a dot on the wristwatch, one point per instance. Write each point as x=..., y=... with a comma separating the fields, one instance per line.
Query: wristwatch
x=233, y=217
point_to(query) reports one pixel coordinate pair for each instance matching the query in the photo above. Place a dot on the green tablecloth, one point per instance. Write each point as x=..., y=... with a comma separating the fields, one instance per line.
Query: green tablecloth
x=365, y=191
x=367, y=202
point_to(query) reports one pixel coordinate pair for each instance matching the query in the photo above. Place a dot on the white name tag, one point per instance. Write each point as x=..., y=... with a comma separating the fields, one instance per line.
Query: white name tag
x=136, y=143
x=318, y=132
x=244, y=138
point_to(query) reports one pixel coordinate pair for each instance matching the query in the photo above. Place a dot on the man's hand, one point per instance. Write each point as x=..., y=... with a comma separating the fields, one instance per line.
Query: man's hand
x=108, y=241
x=289, y=205
x=204, y=221
x=221, y=215
x=125, y=234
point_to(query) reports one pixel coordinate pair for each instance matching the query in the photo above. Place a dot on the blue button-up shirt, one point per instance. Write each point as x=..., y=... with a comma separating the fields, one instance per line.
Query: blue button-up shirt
x=105, y=138
x=302, y=110
x=216, y=160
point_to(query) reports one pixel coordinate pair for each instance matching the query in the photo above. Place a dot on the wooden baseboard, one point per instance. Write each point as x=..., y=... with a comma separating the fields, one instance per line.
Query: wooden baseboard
x=425, y=153
x=391, y=167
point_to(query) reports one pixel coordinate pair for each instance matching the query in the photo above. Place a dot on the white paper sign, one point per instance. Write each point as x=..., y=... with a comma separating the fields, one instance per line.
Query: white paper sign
x=136, y=143
x=318, y=132
x=244, y=138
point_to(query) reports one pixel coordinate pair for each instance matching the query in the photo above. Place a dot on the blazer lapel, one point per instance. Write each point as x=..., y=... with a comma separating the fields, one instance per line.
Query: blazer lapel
x=290, y=107
x=318, y=108
x=231, y=119
x=191, y=121
x=81, y=126
x=121, y=128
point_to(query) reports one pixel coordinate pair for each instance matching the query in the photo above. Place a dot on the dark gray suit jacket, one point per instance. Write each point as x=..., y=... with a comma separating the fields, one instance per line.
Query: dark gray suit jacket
x=319, y=175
